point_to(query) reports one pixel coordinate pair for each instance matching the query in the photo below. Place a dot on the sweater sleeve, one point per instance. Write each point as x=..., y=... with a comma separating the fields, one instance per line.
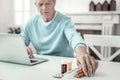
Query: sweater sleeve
x=72, y=36
x=25, y=34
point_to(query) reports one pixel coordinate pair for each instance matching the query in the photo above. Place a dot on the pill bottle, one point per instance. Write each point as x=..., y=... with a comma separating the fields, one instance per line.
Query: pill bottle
x=63, y=66
x=69, y=65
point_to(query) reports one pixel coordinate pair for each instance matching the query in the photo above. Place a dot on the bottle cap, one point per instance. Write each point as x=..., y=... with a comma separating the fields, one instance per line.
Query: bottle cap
x=64, y=62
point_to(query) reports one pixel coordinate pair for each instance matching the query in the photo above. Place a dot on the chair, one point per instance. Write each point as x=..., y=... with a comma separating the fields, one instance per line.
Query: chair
x=105, y=42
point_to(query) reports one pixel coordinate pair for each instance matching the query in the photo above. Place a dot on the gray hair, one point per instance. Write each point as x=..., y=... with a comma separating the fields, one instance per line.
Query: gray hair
x=53, y=1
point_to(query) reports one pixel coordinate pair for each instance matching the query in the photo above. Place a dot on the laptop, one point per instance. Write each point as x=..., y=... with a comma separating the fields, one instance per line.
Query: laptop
x=13, y=50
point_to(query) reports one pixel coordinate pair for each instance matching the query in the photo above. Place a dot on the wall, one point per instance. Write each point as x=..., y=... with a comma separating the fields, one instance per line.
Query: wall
x=6, y=14
x=33, y=8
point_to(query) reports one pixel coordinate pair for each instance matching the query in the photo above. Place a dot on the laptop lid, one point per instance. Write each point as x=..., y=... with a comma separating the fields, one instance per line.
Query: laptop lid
x=13, y=49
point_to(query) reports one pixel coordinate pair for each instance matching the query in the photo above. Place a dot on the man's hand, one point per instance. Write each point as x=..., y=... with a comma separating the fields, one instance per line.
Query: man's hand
x=88, y=63
x=30, y=53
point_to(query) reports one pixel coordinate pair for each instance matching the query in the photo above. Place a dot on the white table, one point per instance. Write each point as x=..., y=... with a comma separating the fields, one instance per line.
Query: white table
x=45, y=71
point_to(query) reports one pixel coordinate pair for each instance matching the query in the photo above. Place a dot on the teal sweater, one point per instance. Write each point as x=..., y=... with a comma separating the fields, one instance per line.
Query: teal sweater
x=59, y=38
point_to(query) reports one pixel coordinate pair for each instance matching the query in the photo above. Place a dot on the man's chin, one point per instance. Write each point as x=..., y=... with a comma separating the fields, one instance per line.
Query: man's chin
x=46, y=16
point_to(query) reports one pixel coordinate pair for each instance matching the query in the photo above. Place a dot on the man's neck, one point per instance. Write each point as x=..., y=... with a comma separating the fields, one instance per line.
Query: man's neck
x=49, y=19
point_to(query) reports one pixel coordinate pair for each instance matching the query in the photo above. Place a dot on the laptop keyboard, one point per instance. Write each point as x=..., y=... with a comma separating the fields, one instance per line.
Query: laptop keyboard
x=32, y=61
x=38, y=60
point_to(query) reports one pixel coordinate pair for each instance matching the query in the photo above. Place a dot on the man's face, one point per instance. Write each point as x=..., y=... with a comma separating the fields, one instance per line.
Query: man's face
x=46, y=8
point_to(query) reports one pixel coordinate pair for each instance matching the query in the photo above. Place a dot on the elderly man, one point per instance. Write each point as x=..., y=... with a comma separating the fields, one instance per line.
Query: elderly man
x=53, y=33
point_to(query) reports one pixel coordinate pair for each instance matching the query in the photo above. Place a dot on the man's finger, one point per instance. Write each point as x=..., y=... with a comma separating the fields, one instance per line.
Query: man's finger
x=93, y=63
x=83, y=66
x=30, y=53
x=96, y=64
x=89, y=66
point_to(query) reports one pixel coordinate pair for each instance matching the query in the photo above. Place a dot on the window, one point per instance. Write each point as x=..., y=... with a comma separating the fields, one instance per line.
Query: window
x=74, y=6
x=21, y=11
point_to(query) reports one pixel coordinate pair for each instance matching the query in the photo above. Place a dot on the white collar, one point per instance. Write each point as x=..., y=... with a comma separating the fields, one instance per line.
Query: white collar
x=47, y=23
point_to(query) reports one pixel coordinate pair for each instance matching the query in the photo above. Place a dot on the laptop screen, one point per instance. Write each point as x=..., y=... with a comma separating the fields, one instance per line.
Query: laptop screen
x=13, y=49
